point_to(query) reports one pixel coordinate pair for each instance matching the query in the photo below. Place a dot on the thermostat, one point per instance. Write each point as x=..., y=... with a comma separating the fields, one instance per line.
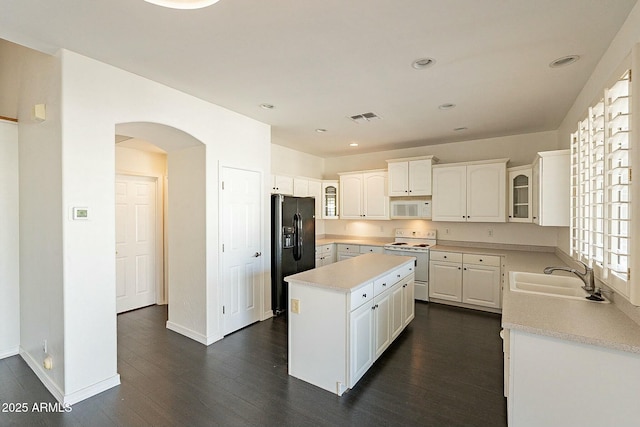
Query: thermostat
x=80, y=213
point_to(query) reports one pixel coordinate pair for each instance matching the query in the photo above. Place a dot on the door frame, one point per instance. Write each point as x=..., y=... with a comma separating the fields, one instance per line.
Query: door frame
x=160, y=230
x=221, y=288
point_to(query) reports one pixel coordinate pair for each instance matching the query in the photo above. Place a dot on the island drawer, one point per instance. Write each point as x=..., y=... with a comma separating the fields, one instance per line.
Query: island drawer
x=361, y=295
x=492, y=260
x=383, y=283
x=445, y=256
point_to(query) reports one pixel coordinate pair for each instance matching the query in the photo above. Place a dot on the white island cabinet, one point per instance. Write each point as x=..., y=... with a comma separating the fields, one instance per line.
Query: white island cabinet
x=343, y=316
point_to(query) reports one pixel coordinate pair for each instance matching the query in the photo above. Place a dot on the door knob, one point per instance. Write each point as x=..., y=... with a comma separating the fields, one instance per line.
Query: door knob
x=257, y=254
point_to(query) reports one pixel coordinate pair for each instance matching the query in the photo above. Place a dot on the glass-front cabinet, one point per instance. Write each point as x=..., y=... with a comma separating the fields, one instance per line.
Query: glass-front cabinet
x=520, y=194
x=330, y=200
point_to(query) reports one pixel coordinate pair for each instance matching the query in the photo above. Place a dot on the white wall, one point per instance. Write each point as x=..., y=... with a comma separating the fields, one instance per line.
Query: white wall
x=521, y=149
x=9, y=241
x=619, y=49
x=187, y=222
x=96, y=98
x=286, y=161
x=41, y=213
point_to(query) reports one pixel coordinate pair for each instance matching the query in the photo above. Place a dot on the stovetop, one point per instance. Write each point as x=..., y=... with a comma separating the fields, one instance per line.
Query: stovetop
x=413, y=239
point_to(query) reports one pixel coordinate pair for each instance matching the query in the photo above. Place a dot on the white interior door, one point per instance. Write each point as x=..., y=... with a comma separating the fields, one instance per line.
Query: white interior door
x=135, y=242
x=242, y=250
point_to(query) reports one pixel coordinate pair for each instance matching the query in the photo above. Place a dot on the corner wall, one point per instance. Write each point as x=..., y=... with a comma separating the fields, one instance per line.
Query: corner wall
x=9, y=241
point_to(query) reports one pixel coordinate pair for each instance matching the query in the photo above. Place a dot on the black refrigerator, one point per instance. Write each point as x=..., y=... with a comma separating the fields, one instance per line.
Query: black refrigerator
x=293, y=243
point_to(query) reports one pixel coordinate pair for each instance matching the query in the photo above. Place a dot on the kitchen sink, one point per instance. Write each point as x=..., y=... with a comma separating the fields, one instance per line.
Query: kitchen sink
x=547, y=284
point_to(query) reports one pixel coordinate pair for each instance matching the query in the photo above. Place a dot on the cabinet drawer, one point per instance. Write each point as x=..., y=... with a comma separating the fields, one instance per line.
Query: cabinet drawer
x=323, y=249
x=445, y=256
x=492, y=260
x=349, y=248
x=361, y=295
x=382, y=284
x=365, y=249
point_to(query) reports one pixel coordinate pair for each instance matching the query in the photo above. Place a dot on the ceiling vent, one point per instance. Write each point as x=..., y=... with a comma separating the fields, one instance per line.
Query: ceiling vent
x=365, y=117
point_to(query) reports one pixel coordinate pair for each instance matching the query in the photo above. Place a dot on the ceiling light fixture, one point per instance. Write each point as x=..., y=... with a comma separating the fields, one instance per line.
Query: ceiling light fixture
x=183, y=4
x=447, y=106
x=565, y=60
x=422, y=63
x=320, y=130
x=353, y=144
x=267, y=106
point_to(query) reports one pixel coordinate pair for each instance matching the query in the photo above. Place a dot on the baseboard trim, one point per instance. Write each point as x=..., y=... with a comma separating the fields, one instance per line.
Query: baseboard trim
x=37, y=369
x=92, y=390
x=189, y=333
x=58, y=394
x=9, y=352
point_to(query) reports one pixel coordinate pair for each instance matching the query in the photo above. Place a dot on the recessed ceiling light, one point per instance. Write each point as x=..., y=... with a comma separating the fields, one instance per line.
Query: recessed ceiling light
x=422, y=63
x=461, y=128
x=320, y=130
x=183, y=4
x=446, y=106
x=565, y=60
x=267, y=106
x=353, y=144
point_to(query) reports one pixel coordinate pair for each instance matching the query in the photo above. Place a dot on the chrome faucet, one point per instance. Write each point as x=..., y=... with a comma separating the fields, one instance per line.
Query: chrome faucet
x=587, y=276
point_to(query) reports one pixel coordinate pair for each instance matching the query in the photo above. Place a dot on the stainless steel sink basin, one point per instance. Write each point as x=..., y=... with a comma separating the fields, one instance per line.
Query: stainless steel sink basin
x=547, y=284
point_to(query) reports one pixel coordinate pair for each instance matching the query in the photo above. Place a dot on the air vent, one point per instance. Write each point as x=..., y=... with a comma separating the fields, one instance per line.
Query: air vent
x=365, y=117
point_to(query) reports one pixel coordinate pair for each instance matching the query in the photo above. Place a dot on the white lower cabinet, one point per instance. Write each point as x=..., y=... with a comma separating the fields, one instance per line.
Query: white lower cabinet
x=481, y=280
x=445, y=276
x=469, y=279
x=374, y=326
x=325, y=255
x=555, y=382
x=361, y=337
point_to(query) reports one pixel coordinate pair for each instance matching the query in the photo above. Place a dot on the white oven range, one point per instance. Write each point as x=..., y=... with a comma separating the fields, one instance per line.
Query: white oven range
x=415, y=243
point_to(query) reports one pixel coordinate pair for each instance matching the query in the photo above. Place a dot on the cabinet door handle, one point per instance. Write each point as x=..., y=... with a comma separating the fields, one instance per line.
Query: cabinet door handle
x=384, y=284
x=398, y=276
x=364, y=295
x=480, y=259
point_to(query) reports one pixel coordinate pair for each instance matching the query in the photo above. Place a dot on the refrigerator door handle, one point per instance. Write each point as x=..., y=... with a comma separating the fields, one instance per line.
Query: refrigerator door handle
x=297, y=235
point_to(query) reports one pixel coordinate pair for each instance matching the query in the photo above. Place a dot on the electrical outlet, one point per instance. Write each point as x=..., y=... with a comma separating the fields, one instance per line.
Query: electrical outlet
x=490, y=232
x=295, y=305
x=446, y=231
x=44, y=346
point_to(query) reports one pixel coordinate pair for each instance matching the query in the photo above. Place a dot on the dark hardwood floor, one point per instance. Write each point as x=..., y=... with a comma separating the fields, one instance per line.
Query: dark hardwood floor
x=444, y=370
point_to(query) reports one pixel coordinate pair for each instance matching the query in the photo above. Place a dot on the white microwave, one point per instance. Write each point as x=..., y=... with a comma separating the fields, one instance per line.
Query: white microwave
x=411, y=209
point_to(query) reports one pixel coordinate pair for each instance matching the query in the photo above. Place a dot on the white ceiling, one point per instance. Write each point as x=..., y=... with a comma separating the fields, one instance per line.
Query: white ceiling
x=321, y=61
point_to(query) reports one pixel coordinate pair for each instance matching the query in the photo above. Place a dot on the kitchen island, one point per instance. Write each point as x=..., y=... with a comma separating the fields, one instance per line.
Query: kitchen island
x=344, y=315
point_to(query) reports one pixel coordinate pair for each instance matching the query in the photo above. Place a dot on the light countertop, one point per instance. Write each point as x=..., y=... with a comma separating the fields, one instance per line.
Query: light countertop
x=580, y=321
x=371, y=241
x=350, y=274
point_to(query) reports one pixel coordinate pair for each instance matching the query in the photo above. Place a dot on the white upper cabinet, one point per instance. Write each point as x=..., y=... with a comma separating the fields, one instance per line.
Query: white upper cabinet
x=551, y=185
x=363, y=195
x=315, y=191
x=449, y=193
x=300, y=187
x=282, y=184
x=410, y=177
x=330, y=200
x=470, y=192
x=520, y=194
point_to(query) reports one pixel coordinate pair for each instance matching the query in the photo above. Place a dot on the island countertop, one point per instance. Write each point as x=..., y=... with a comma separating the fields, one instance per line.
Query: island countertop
x=351, y=273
